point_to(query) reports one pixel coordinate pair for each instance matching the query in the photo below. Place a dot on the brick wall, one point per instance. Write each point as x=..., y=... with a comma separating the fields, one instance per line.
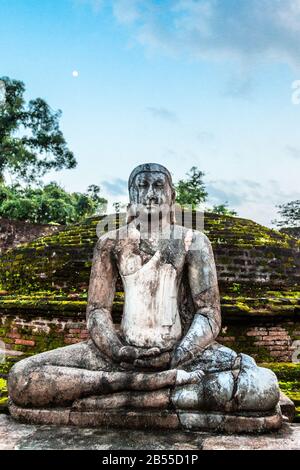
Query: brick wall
x=16, y=232
x=267, y=342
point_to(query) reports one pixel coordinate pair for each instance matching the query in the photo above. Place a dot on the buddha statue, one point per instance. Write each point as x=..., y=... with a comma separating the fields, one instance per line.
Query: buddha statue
x=162, y=367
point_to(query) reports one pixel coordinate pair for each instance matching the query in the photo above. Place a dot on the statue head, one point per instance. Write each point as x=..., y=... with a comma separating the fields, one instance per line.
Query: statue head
x=151, y=192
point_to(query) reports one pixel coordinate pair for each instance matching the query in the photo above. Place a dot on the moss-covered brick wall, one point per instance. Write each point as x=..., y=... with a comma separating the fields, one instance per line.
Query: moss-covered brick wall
x=51, y=324
x=246, y=254
x=15, y=232
x=292, y=231
x=44, y=285
x=289, y=381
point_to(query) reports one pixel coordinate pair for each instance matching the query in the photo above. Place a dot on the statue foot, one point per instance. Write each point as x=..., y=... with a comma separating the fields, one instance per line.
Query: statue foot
x=185, y=378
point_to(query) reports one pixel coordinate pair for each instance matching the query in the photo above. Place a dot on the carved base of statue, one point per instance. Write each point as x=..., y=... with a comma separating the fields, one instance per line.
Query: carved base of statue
x=231, y=394
x=124, y=418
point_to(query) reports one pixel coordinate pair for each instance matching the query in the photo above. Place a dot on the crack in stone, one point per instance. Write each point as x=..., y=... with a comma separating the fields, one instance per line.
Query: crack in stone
x=236, y=370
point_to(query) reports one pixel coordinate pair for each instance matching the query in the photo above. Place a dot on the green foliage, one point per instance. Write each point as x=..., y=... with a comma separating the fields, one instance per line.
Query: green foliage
x=49, y=204
x=3, y=395
x=191, y=191
x=290, y=214
x=236, y=288
x=223, y=209
x=285, y=371
x=31, y=142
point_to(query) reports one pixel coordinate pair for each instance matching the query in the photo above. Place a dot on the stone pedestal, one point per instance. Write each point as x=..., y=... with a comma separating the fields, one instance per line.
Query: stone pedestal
x=153, y=419
x=18, y=436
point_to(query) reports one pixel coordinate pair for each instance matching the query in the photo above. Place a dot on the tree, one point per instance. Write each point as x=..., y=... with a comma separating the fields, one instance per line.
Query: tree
x=31, y=142
x=290, y=214
x=223, y=209
x=48, y=204
x=191, y=191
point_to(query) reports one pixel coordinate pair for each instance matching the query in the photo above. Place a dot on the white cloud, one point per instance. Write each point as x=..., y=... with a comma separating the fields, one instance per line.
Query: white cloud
x=293, y=151
x=251, y=199
x=162, y=113
x=240, y=88
x=95, y=4
x=219, y=29
x=126, y=11
x=115, y=187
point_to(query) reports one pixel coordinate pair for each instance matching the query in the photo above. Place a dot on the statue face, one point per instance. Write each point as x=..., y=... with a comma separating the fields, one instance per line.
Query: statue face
x=152, y=193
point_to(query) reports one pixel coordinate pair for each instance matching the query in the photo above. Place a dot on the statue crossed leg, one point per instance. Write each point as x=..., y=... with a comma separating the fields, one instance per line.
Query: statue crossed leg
x=228, y=382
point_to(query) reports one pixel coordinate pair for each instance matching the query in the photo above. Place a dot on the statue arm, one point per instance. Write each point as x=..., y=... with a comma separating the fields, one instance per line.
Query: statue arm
x=203, y=281
x=100, y=299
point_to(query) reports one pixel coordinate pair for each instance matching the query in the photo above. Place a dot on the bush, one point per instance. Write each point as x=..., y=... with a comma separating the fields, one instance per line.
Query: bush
x=49, y=204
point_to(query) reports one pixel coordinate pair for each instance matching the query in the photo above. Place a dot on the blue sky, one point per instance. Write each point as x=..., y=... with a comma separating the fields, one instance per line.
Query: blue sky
x=185, y=83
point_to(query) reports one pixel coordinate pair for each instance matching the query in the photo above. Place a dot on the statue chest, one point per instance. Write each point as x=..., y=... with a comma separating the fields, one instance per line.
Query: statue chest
x=150, y=317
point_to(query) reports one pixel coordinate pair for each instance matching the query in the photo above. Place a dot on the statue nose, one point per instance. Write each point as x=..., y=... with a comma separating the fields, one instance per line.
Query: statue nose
x=151, y=195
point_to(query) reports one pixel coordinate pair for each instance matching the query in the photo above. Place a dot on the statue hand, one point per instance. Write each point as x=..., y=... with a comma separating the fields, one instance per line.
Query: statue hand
x=159, y=362
x=180, y=356
x=147, y=353
x=128, y=354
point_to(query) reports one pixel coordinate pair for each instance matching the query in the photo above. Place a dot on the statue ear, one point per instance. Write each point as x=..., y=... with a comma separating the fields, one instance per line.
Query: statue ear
x=131, y=212
x=173, y=195
x=173, y=208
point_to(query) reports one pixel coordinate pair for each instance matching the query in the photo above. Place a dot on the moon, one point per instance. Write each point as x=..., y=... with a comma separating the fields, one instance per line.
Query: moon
x=75, y=73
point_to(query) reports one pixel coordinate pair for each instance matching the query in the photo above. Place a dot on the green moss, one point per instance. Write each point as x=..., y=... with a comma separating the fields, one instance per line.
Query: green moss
x=243, y=307
x=3, y=396
x=297, y=417
x=285, y=371
x=289, y=386
x=288, y=375
x=3, y=386
x=62, y=261
x=42, y=304
x=7, y=365
x=48, y=342
x=295, y=397
x=245, y=344
x=291, y=295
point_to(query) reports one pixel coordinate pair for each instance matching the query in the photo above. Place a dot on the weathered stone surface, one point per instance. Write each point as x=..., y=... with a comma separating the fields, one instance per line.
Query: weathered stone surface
x=126, y=419
x=152, y=419
x=59, y=417
x=166, y=340
x=16, y=232
x=120, y=418
x=288, y=438
x=155, y=400
x=17, y=436
x=231, y=423
x=287, y=407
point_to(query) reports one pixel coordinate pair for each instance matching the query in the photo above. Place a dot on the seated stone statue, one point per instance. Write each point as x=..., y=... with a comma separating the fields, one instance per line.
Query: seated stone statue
x=163, y=367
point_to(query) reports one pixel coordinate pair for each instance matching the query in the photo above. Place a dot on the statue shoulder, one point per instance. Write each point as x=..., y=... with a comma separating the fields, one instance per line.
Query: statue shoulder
x=198, y=245
x=111, y=239
x=193, y=239
x=200, y=239
x=107, y=240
